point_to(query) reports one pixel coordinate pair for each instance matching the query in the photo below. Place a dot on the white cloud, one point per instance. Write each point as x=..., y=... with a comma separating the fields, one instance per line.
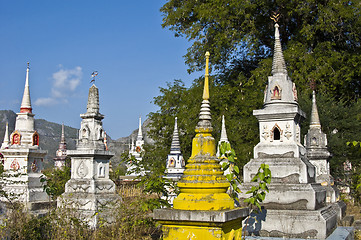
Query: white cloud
x=65, y=82
x=45, y=101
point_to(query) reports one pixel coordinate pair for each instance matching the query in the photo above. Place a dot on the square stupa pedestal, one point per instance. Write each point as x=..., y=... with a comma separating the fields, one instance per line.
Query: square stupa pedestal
x=209, y=225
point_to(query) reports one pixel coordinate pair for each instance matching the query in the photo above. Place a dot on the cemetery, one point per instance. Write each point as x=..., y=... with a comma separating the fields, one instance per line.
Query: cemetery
x=192, y=184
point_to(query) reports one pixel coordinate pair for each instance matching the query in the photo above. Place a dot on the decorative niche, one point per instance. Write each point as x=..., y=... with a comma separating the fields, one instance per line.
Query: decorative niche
x=276, y=133
x=276, y=93
x=36, y=139
x=15, y=138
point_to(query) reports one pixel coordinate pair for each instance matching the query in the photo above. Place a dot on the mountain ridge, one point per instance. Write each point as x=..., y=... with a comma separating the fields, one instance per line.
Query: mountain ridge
x=50, y=134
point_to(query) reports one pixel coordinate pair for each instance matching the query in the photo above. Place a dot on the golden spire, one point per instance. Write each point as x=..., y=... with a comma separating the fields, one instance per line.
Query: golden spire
x=206, y=82
x=203, y=185
x=205, y=113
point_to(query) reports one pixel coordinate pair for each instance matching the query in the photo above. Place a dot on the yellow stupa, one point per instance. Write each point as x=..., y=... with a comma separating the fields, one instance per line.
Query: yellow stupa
x=203, y=185
x=203, y=209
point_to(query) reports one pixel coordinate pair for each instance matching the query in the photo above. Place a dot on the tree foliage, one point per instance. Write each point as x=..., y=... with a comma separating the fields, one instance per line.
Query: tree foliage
x=184, y=103
x=54, y=179
x=320, y=41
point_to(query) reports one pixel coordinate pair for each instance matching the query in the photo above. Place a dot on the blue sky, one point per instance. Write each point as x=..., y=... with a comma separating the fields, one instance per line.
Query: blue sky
x=65, y=41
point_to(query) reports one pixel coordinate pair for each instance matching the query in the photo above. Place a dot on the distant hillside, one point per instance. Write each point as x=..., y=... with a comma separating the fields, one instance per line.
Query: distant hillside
x=50, y=134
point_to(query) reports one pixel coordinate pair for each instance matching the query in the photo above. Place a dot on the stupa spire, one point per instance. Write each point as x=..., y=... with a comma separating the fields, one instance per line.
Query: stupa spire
x=62, y=140
x=140, y=134
x=26, y=102
x=132, y=146
x=62, y=144
x=279, y=65
x=175, y=146
x=93, y=101
x=61, y=153
x=315, y=119
x=6, y=137
x=224, y=137
x=203, y=170
x=205, y=113
x=91, y=133
x=280, y=88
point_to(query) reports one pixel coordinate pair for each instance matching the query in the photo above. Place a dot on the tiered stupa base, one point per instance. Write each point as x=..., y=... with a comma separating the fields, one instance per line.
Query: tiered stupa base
x=93, y=208
x=29, y=192
x=24, y=185
x=194, y=224
x=316, y=224
x=90, y=192
x=295, y=206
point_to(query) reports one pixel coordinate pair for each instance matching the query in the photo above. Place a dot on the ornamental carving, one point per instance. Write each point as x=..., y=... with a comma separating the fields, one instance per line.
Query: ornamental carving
x=82, y=170
x=105, y=187
x=34, y=166
x=138, y=149
x=15, y=165
x=288, y=133
x=298, y=133
x=265, y=134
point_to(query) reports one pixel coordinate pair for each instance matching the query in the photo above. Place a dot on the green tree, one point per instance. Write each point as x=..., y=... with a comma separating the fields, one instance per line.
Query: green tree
x=54, y=179
x=321, y=38
x=321, y=42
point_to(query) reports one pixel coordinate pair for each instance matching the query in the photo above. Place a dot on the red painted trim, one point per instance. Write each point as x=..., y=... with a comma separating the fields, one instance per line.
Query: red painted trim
x=26, y=110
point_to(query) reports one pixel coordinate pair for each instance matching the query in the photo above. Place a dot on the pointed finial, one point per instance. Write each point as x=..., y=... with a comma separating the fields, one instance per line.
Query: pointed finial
x=26, y=102
x=6, y=141
x=279, y=65
x=62, y=133
x=224, y=137
x=140, y=133
x=313, y=85
x=94, y=74
x=205, y=113
x=175, y=146
x=132, y=146
x=275, y=16
x=315, y=119
x=206, y=75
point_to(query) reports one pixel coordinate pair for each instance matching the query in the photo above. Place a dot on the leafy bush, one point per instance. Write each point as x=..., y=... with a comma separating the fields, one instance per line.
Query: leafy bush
x=55, y=179
x=131, y=222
